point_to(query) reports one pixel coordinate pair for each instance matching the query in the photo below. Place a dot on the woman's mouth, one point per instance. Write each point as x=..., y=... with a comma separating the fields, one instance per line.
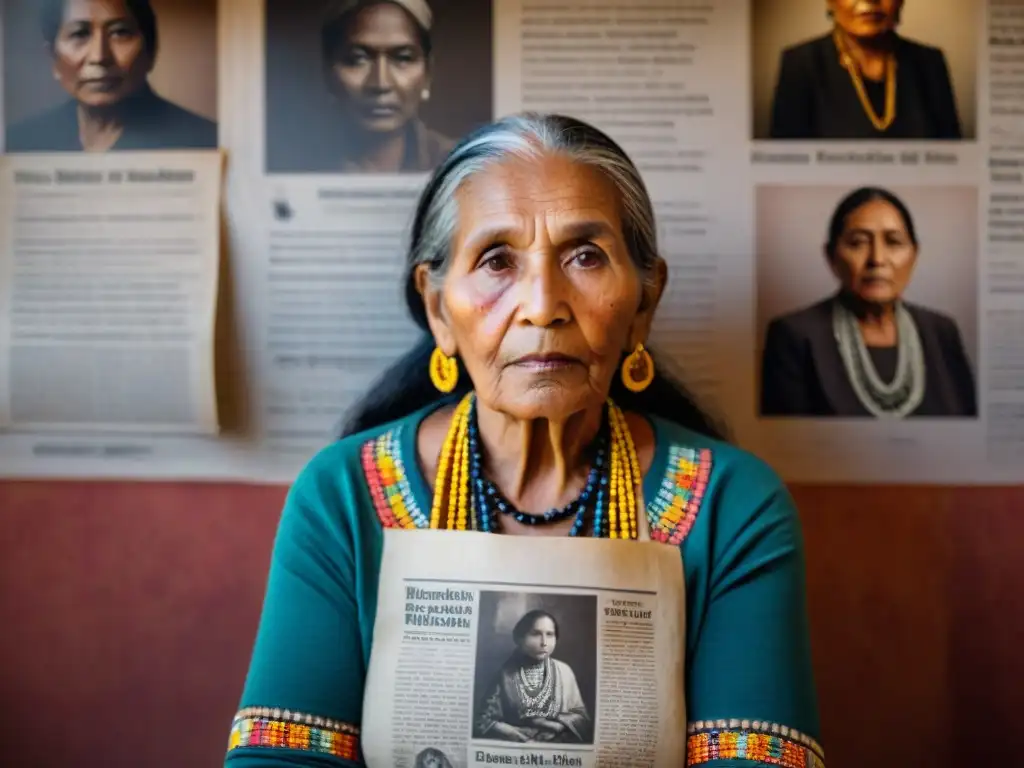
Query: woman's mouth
x=382, y=110
x=546, y=362
x=876, y=16
x=105, y=83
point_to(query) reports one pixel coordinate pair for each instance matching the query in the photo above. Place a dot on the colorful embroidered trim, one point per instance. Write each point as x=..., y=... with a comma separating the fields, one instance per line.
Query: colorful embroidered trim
x=282, y=729
x=673, y=511
x=754, y=740
x=389, y=484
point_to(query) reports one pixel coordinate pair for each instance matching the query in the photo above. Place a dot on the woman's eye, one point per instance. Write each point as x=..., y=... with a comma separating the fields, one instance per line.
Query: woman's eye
x=496, y=262
x=588, y=258
x=353, y=58
x=405, y=56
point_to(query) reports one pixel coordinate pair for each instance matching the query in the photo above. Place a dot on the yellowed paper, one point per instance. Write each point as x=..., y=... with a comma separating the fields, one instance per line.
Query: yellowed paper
x=509, y=650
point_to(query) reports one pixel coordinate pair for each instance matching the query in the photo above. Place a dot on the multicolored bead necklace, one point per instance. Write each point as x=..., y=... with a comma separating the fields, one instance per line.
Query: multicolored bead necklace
x=472, y=501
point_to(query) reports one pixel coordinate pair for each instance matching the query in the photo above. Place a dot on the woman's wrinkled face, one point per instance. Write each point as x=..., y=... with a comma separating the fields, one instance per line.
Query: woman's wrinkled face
x=542, y=297
x=99, y=54
x=540, y=640
x=875, y=257
x=380, y=70
x=866, y=18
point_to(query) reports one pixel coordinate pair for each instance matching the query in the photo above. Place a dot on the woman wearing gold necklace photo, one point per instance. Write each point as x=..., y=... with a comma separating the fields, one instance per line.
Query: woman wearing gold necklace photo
x=863, y=80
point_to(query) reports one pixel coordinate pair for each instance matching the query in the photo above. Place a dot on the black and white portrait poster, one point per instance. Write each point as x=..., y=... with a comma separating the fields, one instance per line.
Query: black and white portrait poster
x=536, y=668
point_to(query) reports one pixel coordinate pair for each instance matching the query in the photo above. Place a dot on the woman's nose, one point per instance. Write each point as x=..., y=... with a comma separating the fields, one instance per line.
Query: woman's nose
x=98, y=51
x=543, y=301
x=876, y=252
x=380, y=76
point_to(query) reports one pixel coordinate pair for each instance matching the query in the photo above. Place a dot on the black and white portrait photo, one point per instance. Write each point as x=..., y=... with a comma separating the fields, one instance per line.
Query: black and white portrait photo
x=106, y=75
x=374, y=86
x=536, y=668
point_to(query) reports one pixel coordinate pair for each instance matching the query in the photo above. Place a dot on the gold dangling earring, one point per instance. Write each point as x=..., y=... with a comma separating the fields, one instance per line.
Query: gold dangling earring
x=444, y=371
x=638, y=370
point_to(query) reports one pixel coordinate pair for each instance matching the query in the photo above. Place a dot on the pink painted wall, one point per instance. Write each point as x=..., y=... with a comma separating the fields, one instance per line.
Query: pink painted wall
x=129, y=610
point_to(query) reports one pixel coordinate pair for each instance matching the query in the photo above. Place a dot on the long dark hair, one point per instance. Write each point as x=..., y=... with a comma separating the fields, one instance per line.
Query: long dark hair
x=406, y=387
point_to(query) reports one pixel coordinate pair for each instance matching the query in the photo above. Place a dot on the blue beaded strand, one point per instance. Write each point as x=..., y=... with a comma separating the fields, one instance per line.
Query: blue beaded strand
x=486, y=498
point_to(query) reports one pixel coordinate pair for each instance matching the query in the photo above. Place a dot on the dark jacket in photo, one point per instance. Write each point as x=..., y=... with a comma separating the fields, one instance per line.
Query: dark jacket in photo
x=150, y=122
x=816, y=99
x=802, y=373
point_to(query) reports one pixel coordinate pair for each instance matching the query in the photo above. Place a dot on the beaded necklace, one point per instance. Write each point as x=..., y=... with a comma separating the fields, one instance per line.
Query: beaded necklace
x=850, y=65
x=473, y=502
x=487, y=497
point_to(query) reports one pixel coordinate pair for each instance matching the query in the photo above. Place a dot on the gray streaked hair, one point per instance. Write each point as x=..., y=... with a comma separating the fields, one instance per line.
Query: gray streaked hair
x=527, y=135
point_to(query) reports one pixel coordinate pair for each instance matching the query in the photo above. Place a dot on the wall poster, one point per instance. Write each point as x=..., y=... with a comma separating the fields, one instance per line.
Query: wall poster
x=779, y=170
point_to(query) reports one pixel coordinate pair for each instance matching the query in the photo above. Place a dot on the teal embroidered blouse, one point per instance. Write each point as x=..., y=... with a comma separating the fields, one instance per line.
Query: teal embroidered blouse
x=750, y=691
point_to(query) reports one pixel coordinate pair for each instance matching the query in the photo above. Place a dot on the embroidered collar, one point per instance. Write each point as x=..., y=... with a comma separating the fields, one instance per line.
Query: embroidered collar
x=674, y=486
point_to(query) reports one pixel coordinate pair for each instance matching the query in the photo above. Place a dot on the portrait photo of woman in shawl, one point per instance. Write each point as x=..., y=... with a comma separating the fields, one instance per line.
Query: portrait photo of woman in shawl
x=535, y=696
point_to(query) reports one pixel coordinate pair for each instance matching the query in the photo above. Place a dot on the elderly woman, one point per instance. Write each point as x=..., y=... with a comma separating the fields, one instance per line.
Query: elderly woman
x=102, y=53
x=534, y=266
x=864, y=81
x=535, y=696
x=866, y=351
x=376, y=58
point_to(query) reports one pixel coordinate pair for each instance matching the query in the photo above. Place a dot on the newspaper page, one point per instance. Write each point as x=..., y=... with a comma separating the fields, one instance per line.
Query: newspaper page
x=109, y=268
x=504, y=650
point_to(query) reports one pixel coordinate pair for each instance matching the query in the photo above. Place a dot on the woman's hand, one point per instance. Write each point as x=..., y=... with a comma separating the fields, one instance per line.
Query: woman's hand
x=518, y=735
x=547, y=725
x=510, y=732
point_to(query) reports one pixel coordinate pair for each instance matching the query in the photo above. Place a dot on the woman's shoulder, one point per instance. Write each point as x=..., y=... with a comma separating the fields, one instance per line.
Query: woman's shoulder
x=804, y=317
x=434, y=145
x=704, y=473
x=915, y=48
x=808, y=48
x=921, y=313
x=933, y=321
x=563, y=667
x=185, y=127
x=53, y=129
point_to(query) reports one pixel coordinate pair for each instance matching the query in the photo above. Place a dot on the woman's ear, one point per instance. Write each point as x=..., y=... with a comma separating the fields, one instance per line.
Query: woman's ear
x=428, y=80
x=652, y=290
x=433, y=304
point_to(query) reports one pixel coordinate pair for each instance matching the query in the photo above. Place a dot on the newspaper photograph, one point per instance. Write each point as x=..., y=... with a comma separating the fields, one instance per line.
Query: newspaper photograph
x=568, y=653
